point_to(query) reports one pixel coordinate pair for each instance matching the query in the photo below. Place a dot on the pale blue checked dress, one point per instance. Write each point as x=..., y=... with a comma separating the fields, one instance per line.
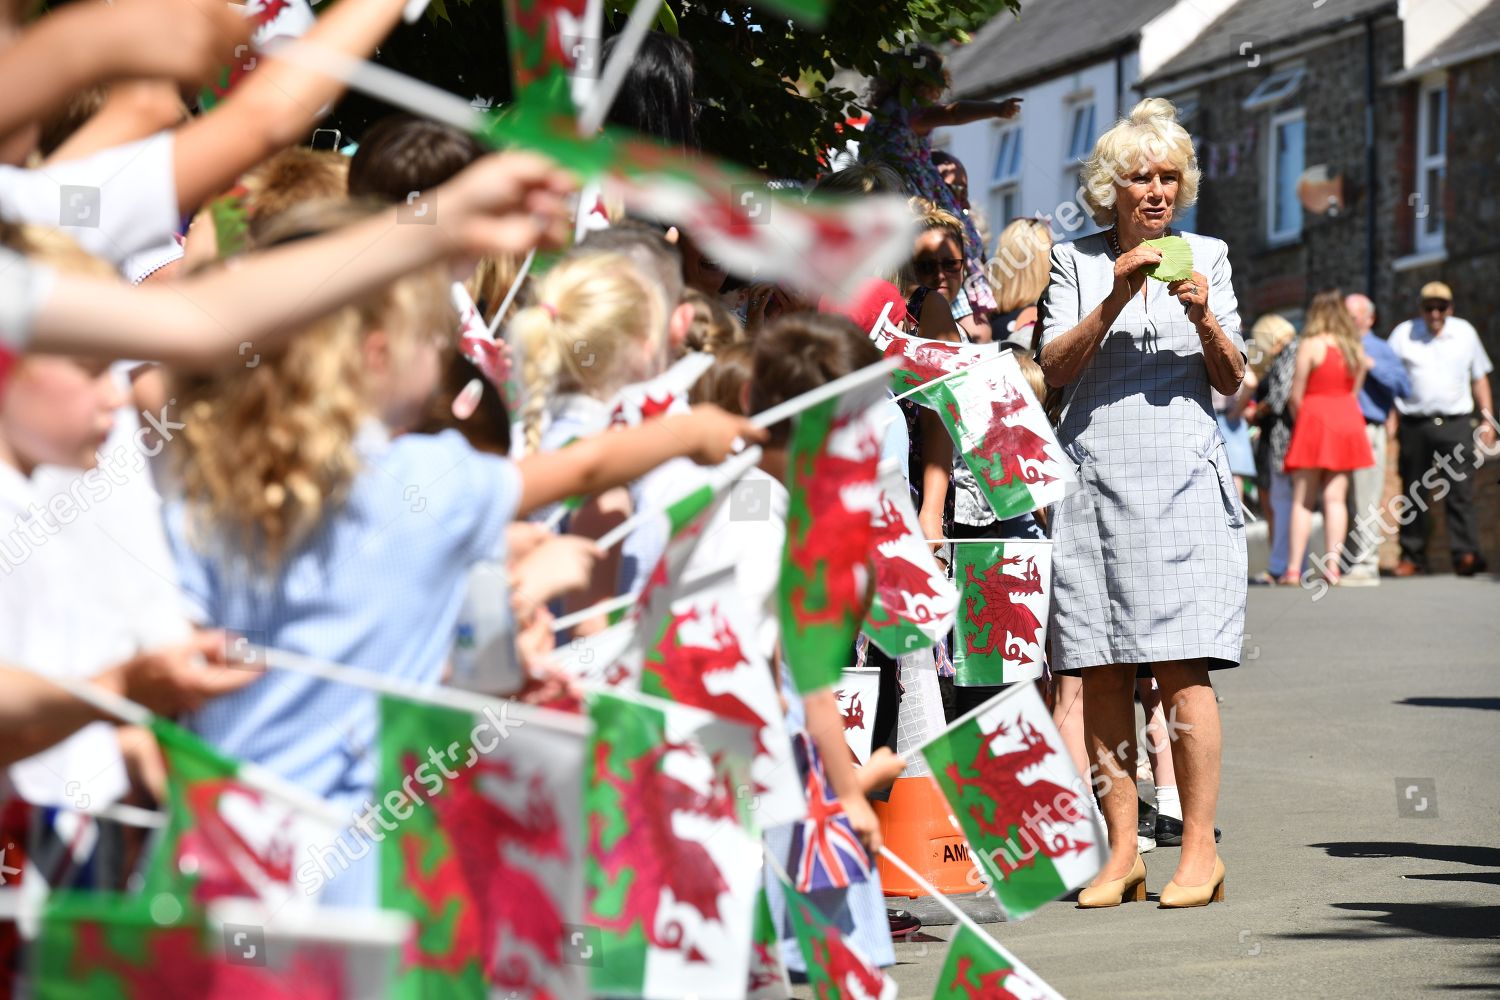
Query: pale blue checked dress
x=1148, y=563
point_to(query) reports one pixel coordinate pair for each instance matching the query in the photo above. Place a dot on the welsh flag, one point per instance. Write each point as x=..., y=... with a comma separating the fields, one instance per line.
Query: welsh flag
x=700, y=641
x=672, y=868
x=832, y=478
x=1020, y=801
x=1002, y=432
x=640, y=401
x=768, y=979
x=489, y=862
x=822, y=247
x=607, y=659
x=1002, y=633
x=155, y=947
x=231, y=829
x=979, y=968
x=666, y=393
x=835, y=968
x=914, y=603
x=922, y=359
x=551, y=39
x=810, y=12
x=272, y=19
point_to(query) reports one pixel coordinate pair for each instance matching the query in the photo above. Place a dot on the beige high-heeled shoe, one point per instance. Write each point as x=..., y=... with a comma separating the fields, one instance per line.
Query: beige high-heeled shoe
x=1116, y=891
x=1176, y=896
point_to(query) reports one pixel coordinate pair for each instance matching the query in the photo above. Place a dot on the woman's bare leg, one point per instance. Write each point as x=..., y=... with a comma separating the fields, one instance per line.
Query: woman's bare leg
x=1196, y=752
x=1335, y=517
x=1109, y=728
x=1304, y=495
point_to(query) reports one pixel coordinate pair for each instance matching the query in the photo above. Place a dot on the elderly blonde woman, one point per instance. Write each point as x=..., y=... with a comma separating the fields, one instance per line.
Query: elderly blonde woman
x=1149, y=558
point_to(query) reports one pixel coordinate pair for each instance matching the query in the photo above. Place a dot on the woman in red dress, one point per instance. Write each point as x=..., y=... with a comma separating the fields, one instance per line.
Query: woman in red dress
x=1328, y=436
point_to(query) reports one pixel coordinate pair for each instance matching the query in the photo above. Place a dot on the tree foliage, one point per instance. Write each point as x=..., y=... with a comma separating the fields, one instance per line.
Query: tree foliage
x=762, y=81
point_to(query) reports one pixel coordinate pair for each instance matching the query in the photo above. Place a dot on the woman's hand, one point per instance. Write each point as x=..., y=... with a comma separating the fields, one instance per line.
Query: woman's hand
x=1129, y=273
x=1192, y=293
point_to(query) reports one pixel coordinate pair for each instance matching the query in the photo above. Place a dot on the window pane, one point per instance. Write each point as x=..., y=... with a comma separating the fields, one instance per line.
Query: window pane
x=1015, y=154
x=1433, y=202
x=1290, y=157
x=1437, y=122
x=1082, y=132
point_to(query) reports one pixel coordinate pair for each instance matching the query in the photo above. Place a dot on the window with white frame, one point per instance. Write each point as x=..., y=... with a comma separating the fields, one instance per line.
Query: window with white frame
x=1005, y=177
x=1080, y=144
x=1286, y=160
x=1432, y=164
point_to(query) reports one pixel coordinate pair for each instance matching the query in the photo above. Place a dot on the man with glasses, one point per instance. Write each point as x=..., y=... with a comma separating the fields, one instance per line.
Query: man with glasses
x=1440, y=430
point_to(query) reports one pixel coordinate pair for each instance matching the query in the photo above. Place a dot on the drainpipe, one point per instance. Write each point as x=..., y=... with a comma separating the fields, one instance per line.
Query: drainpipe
x=1370, y=208
x=1120, y=82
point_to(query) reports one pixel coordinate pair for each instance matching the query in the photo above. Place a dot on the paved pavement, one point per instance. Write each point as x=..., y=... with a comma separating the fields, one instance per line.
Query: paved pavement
x=1341, y=882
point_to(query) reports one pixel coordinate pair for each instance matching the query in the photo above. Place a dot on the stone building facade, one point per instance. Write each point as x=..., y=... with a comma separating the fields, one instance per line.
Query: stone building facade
x=1436, y=158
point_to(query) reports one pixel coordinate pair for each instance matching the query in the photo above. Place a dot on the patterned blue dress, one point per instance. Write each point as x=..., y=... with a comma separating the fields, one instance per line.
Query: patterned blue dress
x=1149, y=559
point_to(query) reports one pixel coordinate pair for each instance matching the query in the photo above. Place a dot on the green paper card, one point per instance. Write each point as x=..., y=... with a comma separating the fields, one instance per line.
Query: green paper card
x=1176, y=259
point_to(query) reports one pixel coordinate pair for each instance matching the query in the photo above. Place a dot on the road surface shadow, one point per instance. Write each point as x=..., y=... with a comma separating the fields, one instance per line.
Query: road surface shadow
x=1486, y=704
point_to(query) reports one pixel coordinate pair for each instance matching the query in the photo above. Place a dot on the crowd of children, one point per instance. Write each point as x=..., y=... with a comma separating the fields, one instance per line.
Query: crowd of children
x=262, y=431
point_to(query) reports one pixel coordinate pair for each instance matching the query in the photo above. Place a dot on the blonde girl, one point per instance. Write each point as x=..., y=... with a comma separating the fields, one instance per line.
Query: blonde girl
x=1018, y=274
x=309, y=522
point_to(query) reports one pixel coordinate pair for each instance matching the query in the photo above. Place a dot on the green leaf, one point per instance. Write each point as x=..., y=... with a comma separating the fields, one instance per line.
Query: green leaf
x=1176, y=262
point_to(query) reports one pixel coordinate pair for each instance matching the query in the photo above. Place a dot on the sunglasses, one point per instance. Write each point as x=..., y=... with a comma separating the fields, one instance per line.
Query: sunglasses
x=1436, y=305
x=932, y=265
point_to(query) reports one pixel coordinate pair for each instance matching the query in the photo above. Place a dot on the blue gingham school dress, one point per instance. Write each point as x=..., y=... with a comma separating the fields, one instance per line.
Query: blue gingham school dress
x=1148, y=563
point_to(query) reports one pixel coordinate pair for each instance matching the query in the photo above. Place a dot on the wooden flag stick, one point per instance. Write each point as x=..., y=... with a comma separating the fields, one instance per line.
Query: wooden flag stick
x=602, y=608
x=514, y=712
x=823, y=393
x=922, y=883
x=510, y=296
x=383, y=84
x=603, y=98
x=952, y=374
x=253, y=775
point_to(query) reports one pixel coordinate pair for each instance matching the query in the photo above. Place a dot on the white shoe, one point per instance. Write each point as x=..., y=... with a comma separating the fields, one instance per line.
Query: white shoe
x=1144, y=844
x=1360, y=580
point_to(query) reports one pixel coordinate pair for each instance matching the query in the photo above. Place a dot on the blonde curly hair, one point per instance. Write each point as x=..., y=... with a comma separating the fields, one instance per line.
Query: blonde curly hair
x=268, y=448
x=585, y=316
x=1150, y=134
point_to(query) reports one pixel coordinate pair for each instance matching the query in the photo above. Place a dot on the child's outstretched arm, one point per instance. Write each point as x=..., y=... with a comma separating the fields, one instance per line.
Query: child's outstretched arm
x=505, y=203
x=274, y=106
x=79, y=45
x=707, y=435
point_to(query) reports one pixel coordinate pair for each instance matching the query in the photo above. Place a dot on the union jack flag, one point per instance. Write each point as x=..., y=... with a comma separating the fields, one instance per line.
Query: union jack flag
x=828, y=853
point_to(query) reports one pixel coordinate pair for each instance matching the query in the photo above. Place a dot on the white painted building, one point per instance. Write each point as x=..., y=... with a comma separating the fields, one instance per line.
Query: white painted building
x=1075, y=64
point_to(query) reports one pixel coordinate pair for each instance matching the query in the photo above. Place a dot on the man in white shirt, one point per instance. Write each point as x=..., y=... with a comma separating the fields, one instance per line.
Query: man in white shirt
x=1442, y=429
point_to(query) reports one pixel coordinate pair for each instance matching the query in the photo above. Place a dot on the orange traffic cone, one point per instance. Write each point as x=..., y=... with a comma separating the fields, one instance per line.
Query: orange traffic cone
x=917, y=828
